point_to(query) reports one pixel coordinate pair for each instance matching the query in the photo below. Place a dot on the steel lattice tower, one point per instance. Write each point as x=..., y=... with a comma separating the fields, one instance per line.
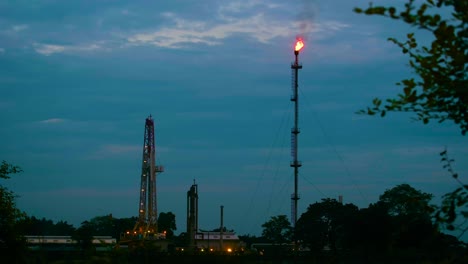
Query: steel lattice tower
x=148, y=211
x=295, y=66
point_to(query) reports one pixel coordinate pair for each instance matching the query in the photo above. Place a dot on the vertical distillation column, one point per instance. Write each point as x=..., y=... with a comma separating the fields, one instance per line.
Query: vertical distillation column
x=192, y=214
x=295, y=131
x=147, y=220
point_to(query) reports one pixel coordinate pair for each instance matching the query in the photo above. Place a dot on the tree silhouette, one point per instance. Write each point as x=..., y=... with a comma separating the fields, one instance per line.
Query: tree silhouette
x=439, y=90
x=12, y=243
x=277, y=230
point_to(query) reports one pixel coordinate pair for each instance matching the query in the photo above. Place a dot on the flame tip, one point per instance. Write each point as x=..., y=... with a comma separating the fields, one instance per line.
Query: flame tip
x=299, y=44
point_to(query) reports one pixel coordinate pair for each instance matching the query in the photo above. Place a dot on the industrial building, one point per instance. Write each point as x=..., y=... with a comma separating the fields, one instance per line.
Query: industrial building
x=67, y=243
x=218, y=241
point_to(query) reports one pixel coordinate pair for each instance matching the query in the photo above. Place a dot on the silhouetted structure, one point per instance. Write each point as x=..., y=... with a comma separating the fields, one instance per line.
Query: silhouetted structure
x=192, y=214
x=295, y=66
x=147, y=225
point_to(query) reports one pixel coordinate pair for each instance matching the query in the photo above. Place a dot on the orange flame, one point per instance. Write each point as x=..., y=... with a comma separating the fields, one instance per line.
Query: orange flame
x=299, y=44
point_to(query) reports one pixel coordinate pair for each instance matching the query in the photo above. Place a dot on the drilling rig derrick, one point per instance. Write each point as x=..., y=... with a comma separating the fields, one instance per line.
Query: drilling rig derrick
x=147, y=224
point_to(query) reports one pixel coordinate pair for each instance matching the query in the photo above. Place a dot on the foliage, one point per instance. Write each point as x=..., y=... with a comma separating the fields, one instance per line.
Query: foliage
x=372, y=230
x=122, y=225
x=440, y=92
x=84, y=237
x=102, y=225
x=277, y=230
x=9, y=213
x=167, y=223
x=326, y=224
x=7, y=169
x=454, y=204
x=219, y=230
x=250, y=239
x=398, y=226
x=45, y=227
x=10, y=237
x=411, y=216
x=404, y=200
x=107, y=225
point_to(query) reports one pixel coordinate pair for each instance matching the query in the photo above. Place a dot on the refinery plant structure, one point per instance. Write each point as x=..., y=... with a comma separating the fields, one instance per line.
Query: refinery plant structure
x=146, y=227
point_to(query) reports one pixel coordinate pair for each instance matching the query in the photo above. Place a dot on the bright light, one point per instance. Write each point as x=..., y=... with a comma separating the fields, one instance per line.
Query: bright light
x=299, y=44
x=229, y=250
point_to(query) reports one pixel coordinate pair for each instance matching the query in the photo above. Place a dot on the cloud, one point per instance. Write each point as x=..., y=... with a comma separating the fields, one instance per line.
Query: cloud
x=417, y=151
x=49, y=49
x=83, y=192
x=258, y=26
x=242, y=6
x=118, y=149
x=18, y=28
x=52, y=121
x=204, y=115
x=256, y=20
x=331, y=106
x=6, y=104
x=113, y=150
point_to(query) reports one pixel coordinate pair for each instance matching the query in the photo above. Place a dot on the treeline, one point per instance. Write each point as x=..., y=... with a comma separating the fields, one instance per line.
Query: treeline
x=105, y=225
x=44, y=227
x=401, y=226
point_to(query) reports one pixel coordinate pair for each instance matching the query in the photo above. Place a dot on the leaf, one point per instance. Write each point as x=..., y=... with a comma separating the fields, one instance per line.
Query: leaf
x=377, y=102
x=379, y=10
x=357, y=10
x=407, y=90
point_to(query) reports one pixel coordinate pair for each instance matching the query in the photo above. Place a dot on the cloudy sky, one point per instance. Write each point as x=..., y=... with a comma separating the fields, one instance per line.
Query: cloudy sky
x=79, y=78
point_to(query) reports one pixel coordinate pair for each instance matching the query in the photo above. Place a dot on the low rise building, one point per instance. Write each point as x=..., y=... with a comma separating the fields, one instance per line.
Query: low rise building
x=217, y=241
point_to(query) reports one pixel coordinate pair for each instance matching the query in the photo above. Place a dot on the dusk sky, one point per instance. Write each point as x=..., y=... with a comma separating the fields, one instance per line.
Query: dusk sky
x=79, y=78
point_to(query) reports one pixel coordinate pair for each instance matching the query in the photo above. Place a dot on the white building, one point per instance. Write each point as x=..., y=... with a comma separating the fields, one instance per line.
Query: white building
x=215, y=241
